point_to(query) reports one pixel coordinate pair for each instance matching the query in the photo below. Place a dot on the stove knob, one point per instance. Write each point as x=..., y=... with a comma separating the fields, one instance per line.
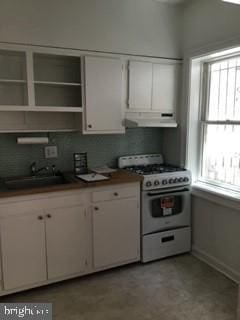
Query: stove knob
x=170, y=181
x=186, y=179
x=164, y=181
x=148, y=184
x=175, y=180
x=156, y=182
x=180, y=179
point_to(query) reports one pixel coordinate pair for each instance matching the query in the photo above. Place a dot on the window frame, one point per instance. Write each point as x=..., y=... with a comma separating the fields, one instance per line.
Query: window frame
x=203, y=122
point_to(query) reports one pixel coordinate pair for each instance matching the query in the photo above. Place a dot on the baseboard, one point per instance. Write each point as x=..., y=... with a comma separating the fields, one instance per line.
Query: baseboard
x=216, y=264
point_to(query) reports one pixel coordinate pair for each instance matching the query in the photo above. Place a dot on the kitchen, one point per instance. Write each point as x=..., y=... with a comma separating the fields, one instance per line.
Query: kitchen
x=143, y=31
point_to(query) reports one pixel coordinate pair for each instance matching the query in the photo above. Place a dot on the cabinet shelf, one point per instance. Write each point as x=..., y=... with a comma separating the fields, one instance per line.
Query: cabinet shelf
x=53, y=83
x=41, y=109
x=10, y=81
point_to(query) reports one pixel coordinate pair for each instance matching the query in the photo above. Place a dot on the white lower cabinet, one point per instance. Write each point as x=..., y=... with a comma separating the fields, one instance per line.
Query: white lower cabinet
x=64, y=238
x=66, y=241
x=42, y=246
x=23, y=250
x=116, y=228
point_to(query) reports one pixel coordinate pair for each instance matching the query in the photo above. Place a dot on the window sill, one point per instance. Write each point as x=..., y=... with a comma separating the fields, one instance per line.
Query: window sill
x=230, y=199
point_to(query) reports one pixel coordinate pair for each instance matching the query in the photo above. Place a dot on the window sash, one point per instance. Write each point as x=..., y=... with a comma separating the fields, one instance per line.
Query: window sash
x=225, y=92
x=205, y=121
x=203, y=135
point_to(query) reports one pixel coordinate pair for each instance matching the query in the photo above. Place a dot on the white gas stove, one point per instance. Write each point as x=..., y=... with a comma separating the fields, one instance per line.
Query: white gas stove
x=156, y=175
x=165, y=206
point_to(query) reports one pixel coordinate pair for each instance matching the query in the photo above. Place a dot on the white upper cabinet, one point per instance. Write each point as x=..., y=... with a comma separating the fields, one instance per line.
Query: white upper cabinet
x=62, y=82
x=57, y=81
x=13, y=78
x=165, y=87
x=140, y=85
x=40, y=80
x=153, y=87
x=103, y=95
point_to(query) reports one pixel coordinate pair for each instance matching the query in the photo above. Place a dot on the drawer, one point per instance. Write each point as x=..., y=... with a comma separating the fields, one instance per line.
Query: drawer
x=66, y=201
x=46, y=202
x=115, y=193
x=163, y=244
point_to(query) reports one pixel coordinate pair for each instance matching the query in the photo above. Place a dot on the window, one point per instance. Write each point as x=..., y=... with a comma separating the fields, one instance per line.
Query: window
x=220, y=125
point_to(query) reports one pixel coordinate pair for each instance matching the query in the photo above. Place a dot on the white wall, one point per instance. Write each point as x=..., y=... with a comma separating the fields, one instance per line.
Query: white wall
x=209, y=24
x=206, y=24
x=210, y=21
x=216, y=235
x=142, y=27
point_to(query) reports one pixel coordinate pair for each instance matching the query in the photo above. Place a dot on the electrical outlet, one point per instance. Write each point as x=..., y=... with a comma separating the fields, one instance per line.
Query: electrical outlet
x=51, y=152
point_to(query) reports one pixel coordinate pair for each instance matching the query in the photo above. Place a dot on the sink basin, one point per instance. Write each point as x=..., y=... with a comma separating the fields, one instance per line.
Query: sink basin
x=34, y=182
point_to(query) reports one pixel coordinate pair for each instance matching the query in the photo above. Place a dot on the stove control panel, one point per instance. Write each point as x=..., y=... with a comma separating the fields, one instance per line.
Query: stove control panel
x=170, y=180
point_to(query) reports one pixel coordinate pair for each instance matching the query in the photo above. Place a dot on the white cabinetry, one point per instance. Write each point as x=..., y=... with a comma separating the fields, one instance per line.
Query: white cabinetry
x=13, y=78
x=153, y=91
x=41, y=246
x=116, y=228
x=44, y=80
x=103, y=95
x=72, y=233
x=140, y=85
x=40, y=89
x=23, y=250
x=53, y=89
x=57, y=82
x=66, y=241
x=165, y=87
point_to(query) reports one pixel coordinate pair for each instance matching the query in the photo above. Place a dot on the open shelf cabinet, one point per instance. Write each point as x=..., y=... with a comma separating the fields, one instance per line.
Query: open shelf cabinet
x=37, y=81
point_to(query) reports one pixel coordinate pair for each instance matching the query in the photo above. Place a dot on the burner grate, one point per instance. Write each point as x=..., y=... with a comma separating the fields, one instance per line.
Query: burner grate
x=153, y=169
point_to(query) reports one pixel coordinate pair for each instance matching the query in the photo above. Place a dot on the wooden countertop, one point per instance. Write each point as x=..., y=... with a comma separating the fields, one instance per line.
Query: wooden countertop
x=118, y=177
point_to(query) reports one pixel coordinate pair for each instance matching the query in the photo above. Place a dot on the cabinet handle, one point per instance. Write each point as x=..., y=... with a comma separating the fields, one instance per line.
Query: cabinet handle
x=116, y=194
x=40, y=217
x=89, y=126
x=49, y=216
x=96, y=208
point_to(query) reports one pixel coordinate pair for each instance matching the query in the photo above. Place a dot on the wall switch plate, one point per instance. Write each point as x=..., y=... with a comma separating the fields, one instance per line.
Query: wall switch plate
x=51, y=152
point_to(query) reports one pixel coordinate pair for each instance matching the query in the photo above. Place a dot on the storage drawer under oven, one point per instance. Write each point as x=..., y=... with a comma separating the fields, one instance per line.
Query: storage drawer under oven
x=164, y=244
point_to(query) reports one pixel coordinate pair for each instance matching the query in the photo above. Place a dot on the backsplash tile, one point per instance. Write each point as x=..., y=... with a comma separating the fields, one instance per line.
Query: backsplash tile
x=102, y=149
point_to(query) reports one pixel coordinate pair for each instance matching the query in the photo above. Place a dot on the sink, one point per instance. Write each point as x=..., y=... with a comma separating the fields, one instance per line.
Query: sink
x=34, y=182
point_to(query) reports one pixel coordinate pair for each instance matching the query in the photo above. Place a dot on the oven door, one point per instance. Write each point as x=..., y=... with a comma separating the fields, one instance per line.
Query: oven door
x=165, y=209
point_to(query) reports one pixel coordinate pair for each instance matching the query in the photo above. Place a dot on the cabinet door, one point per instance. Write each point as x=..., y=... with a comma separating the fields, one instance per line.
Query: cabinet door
x=103, y=88
x=165, y=87
x=140, y=85
x=66, y=241
x=23, y=250
x=116, y=232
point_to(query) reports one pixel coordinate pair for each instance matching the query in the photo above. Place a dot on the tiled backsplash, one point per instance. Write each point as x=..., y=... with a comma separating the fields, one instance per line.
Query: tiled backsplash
x=102, y=149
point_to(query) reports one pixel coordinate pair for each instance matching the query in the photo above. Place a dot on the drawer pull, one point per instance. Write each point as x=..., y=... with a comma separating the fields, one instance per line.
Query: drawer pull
x=116, y=194
x=90, y=126
x=96, y=208
x=49, y=215
x=40, y=217
x=168, y=239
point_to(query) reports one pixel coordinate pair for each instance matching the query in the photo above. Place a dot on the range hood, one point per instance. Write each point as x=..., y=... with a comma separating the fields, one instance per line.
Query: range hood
x=147, y=120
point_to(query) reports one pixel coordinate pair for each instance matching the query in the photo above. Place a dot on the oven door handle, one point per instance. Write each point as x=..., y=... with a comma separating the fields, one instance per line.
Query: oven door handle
x=152, y=194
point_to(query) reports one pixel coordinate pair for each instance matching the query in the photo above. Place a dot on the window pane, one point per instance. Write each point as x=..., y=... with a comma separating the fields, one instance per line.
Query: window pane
x=224, y=91
x=221, y=155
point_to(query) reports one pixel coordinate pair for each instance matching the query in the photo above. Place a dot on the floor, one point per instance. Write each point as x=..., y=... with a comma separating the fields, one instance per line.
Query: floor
x=179, y=288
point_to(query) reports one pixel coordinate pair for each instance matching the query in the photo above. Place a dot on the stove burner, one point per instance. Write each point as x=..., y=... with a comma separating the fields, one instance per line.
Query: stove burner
x=153, y=169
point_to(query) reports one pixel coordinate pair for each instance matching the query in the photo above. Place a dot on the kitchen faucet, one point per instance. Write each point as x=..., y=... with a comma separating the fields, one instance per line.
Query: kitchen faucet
x=35, y=171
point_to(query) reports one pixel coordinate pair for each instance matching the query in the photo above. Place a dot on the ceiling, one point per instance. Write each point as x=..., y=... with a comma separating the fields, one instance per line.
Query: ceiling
x=172, y=1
